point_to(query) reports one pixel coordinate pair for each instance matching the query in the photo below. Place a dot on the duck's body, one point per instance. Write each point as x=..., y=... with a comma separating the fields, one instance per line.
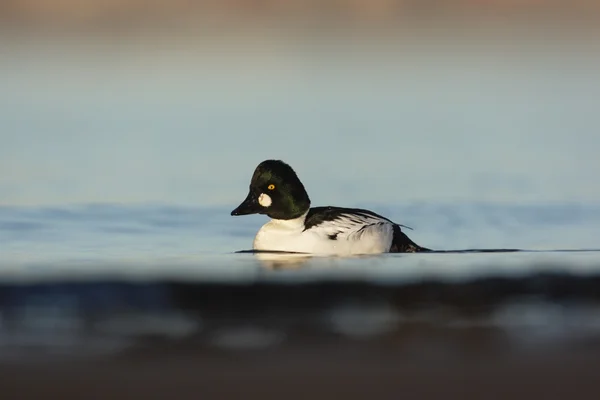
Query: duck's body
x=334, y=230
x=275, y=190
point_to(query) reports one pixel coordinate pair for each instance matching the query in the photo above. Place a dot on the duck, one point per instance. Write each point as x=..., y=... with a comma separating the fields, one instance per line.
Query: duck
x=295, y=227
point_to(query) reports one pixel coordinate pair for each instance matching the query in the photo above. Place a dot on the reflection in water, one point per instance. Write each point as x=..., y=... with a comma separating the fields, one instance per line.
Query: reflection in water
x=280, y=259
x=283, y=260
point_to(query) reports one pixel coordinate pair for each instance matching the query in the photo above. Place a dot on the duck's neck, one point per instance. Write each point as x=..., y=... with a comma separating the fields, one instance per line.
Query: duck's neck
x=293, y=223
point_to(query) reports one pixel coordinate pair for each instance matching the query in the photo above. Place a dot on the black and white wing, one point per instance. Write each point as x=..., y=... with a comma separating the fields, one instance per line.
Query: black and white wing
x=349, y=223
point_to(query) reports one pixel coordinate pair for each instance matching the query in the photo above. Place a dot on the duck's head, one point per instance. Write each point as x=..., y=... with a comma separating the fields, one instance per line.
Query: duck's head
x=276, y=191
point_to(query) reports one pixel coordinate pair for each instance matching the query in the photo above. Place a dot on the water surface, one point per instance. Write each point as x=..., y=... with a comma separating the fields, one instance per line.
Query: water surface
x=135, y=151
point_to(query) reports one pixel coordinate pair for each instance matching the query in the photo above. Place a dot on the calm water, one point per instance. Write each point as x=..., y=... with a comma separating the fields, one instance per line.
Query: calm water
x=181, y=239
x=137, y=150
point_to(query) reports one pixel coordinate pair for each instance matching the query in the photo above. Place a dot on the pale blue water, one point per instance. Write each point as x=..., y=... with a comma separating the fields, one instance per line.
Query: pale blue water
x=164, y=240
x=134, y=152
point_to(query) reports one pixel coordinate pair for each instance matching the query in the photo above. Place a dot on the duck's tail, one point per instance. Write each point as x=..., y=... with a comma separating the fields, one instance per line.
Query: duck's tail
x=402, y=243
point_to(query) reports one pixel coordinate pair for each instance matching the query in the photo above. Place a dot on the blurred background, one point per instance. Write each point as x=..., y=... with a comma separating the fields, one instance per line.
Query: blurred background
x=130, y=129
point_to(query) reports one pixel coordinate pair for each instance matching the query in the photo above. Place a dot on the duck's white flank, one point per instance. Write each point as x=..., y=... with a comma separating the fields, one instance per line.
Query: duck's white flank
x=354, y=234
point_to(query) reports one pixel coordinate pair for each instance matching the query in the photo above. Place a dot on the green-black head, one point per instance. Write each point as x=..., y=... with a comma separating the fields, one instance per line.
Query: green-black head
x=276, y=191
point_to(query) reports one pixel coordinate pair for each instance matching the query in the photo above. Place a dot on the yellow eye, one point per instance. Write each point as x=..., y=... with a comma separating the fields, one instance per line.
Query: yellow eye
x=271, y=187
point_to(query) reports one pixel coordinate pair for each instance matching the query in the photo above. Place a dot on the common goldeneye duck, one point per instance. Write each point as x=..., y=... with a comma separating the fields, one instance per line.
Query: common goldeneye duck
x=295, y=226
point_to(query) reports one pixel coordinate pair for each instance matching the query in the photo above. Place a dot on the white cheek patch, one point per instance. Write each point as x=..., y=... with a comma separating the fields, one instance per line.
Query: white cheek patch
x=264, y=200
